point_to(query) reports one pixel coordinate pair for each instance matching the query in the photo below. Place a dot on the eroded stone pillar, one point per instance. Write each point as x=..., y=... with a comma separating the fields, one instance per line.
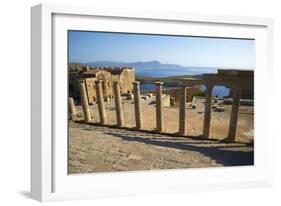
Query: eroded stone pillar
x=137, y=99
x=100, y=102
x=234, y=114
x=72, y=109
x=182, y=110
x=84, y=101
x=118, y=105
x=208, y=112
x=159, y=116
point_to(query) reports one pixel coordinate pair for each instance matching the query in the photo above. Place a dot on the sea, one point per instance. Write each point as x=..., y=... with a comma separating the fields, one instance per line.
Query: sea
x=174, y=71
x=219, y=91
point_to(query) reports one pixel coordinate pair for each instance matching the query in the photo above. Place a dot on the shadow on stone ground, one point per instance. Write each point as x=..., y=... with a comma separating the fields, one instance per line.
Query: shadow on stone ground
x=227, y=154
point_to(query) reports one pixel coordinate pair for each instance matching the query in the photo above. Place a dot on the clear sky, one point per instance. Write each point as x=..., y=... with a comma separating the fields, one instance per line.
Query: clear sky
x=187, y=51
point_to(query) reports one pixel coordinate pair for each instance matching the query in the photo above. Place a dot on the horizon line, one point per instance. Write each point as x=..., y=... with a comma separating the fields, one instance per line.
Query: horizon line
x=213, y=67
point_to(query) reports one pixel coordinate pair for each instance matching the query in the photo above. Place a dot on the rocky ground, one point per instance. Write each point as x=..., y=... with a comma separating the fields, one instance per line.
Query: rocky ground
x=95, y=148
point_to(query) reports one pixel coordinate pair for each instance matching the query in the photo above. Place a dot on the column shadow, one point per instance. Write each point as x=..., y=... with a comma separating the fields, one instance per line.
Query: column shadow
x=226, y=154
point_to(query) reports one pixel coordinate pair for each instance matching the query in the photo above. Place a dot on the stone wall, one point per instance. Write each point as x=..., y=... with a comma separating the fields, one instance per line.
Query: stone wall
x=126, y=79
x=125, y=75
x=105, y=77
x=247, y=92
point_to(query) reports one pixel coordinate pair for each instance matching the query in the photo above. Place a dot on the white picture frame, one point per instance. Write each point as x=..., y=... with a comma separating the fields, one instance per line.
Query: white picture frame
x=49, y=179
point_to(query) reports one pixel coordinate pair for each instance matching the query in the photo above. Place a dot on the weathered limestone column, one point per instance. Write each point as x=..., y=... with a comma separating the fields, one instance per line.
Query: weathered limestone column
x=137, y=99
x=159, y=116
x=84, y=101
x=71, y=106
x=100, y=102
x=118, y=105
x=207, y=115
x=234, y=114
x=182, y=110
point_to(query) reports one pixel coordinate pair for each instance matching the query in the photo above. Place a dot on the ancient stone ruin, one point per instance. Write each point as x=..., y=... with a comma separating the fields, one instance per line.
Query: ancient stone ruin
x=236, y=80
x=108, y=82
x=107, y=75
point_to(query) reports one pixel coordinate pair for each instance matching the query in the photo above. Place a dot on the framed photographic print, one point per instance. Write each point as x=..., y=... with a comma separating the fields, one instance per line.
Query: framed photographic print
x=136, y=102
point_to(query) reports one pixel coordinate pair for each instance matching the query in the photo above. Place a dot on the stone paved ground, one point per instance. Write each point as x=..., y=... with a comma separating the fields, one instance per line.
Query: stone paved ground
x=103, y=149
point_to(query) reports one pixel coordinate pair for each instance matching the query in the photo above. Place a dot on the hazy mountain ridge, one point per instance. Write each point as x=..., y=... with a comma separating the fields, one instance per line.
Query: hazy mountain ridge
x=138, y=64
x=154, y=68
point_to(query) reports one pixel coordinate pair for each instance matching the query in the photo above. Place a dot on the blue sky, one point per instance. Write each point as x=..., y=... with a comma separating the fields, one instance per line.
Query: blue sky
x=187, y=51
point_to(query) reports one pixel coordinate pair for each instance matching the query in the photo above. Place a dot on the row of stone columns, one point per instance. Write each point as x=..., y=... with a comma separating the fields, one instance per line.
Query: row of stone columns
x=233, y=117
x=101, y=106
x=207, y=113
x=159, y=112
x=118, y=105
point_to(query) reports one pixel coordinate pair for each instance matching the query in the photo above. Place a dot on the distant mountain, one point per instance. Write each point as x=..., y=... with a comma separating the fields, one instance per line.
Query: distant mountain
x=139, y=64
x=155, y=68
x=105, y=64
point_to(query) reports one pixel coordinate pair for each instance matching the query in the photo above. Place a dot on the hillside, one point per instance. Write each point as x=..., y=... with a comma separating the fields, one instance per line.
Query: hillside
x=154, y=68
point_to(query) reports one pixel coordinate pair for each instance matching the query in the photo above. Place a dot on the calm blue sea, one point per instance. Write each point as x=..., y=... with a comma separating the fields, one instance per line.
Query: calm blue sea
x=219, y=91
x=174, y=71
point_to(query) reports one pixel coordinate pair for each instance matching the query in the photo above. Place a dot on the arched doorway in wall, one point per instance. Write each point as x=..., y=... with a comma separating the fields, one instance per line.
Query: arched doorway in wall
x=218, y=91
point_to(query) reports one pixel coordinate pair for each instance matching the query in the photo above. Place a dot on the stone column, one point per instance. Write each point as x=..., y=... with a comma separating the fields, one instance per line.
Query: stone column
x=207, y=114
x=159, y=116
x=100, y=102
x=84, y=101
x=118, y=105
x=182, y=109
x=234, y=114
x=71, y=106
x=137, y=99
